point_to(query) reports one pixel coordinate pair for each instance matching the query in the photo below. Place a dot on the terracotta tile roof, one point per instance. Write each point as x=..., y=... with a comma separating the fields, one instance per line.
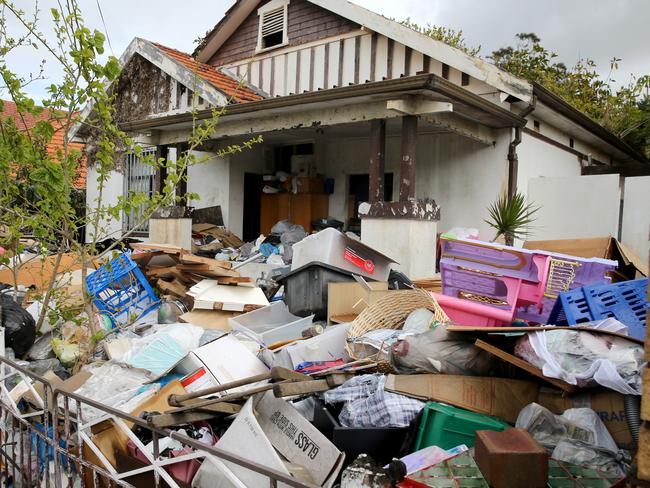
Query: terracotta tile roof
x=239, y=92
x=27, y=121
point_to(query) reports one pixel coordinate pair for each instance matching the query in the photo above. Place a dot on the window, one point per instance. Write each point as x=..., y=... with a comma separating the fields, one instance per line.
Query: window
x=273, y=25
x=138, y=178
x=464, y=79
x=536, y=125
x=571, y=142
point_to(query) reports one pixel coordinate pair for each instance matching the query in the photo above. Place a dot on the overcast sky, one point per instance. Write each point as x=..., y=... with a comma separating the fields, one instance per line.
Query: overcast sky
x=598, y=29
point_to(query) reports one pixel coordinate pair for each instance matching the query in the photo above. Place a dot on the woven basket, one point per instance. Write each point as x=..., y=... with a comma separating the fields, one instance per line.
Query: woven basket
x=391, y=311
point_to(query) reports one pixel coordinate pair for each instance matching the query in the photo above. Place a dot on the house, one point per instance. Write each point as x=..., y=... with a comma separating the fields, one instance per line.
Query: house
x=27, y=121
x=414, y=136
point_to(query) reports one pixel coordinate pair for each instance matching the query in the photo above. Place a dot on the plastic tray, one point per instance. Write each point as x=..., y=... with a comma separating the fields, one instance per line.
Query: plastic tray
x=625, y=301
x=272, y=324
x=120, y=289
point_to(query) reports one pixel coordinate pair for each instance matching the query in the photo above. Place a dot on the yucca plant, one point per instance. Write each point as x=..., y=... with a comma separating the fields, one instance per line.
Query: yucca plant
x=511, y=217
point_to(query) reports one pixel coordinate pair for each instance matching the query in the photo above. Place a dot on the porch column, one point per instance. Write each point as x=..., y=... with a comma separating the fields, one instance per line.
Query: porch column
x=377, y=160
x=407, y=167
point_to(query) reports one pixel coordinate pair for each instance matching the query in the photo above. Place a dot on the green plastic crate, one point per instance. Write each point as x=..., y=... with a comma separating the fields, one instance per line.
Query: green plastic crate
x=446, y=426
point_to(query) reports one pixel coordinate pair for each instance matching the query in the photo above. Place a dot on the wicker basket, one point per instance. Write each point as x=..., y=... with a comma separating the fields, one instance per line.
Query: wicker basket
x=391, y=311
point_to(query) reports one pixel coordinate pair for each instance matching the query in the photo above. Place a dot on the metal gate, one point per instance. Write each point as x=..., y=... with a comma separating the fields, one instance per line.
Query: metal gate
x=138, y=178
x=52, y=446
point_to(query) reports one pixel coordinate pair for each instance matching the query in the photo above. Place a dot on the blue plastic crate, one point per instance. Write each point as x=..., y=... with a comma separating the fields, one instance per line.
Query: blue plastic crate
x=626, y=302
x=120, y=289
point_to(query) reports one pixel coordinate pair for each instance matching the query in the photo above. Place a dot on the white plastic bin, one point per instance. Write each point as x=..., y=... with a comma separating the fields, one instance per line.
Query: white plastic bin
x=332, y=247
x=271, y=324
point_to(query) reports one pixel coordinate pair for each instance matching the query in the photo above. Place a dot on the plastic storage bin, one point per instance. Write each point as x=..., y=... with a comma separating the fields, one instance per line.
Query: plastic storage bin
x=334, y=248
x=120, y=289
x=305, y=289
x=271, y=324
x=626, y=301
x=446, y=426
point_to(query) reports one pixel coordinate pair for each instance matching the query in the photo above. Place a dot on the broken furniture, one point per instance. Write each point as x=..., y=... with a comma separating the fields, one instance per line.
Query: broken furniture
x=120, y=289
x=520, y=283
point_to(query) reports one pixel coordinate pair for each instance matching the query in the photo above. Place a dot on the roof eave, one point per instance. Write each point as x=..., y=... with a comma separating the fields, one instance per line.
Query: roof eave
x=564, y=108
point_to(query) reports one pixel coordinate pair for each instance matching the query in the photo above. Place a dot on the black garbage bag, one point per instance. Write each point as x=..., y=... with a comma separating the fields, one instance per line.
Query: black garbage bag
x=20, y=328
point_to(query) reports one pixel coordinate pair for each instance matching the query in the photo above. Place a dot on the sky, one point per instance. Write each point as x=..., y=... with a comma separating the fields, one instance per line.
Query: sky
x=574, y=29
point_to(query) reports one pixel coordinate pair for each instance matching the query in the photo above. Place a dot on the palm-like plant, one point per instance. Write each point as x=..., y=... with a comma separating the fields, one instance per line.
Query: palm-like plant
x=511, y=217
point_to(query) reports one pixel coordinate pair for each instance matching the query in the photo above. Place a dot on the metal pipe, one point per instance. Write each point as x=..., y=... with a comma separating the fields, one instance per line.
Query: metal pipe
x=513, y=163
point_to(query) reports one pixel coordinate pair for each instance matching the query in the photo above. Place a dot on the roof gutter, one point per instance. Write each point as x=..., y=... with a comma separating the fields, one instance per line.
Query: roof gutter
x=386, y=87
x=558, y=104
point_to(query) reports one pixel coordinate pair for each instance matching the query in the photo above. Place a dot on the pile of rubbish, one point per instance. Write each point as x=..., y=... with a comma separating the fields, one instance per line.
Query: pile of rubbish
x=524, y=368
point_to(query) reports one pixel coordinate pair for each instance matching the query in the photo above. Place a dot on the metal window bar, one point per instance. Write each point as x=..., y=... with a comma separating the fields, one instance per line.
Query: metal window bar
x=49, y=450
x=138, y=178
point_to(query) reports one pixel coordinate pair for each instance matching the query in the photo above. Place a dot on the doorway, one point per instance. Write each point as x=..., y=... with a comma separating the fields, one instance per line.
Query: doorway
x=253, y=184
x=359, y=192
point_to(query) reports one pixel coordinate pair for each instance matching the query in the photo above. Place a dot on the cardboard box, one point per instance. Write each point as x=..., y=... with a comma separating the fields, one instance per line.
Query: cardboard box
x=630, y=266
x=226, y=359
x=310, y=185
x=499, y=397
x=209, y=319
x=267, y=426
x=606, y=403
x=345, y=301
x=328, y=346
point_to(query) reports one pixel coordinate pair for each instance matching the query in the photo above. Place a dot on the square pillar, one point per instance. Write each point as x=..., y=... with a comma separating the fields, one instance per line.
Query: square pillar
x=377, y=160
x=409, y=150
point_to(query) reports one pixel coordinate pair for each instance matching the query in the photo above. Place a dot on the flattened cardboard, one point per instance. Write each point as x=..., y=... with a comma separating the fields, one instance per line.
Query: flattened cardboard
x=209, y=295
x=209, y=319
x=609, y=405
x=499, y=397
x=296, y=439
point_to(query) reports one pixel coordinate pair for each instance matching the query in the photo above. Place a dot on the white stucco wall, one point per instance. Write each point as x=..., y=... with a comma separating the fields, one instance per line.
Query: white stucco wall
x=210, y=180
x=635, y=231
x=112, y=190
x=573, y=207
x=538, y=158
x=461, y=175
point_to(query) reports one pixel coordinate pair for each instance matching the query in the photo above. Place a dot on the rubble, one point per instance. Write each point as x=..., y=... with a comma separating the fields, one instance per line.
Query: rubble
x=326, y=372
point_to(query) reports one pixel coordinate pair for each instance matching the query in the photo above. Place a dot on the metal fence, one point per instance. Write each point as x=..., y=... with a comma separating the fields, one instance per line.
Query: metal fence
x=138, y=178
x=50, y=444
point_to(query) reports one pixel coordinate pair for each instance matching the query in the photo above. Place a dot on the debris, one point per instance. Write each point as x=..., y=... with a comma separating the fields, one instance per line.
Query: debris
x=511, y=459
x=19, y=326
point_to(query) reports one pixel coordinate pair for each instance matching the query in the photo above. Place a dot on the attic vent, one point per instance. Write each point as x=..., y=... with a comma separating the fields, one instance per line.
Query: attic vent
x=273, y=25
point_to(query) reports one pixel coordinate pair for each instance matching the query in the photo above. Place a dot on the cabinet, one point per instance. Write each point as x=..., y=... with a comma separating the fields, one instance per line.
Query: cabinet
x=299, y=209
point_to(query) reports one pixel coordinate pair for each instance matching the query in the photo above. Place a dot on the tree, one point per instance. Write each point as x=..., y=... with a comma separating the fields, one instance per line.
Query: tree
x=625, y=111
x=445, y=34
x=36, y=188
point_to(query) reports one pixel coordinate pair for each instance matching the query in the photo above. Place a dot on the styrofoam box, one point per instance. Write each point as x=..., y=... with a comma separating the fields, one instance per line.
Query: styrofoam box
x=271, y=324
x=332, y=247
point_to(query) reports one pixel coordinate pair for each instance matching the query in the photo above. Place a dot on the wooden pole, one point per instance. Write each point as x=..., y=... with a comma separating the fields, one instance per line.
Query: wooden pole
x=377, y=160
x=409, y=148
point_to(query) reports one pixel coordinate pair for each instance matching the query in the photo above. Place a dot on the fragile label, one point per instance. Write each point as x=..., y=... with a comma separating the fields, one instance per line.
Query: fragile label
x=359, y=261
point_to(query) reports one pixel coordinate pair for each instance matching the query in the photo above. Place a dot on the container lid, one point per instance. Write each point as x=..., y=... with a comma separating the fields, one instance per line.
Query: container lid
x=318, y=264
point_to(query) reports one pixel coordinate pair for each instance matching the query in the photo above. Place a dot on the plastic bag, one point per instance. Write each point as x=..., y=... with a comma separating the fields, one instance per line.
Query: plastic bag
x=418, y=321
x=19, y=325
x=585, y=359
x=440, y=351
x=580, y=424
x=577, y=452
x=113, y=385
x=577, y=436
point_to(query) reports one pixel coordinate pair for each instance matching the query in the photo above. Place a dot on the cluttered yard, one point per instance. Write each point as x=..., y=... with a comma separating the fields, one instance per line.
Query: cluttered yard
x=325, y=249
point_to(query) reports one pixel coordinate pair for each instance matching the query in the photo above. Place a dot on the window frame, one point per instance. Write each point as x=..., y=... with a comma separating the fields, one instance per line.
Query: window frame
x=265, y=9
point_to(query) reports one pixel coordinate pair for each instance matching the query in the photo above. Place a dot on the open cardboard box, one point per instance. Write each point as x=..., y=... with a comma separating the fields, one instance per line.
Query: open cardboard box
x=270, y=432
x=630, y=266
x=345, y=301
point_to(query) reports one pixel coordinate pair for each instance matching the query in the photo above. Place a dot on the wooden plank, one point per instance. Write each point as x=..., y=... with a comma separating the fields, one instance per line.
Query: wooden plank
x=163, y=248
x=160, y=271
x=643, y=456
x=399, y=60
x=303, y=72
x=349, y=48
x=318, y=72
x=520, y=363
x=173, y=288
x=333, y=64
x=536, y=328
x=627, y=169
x=189, y=258
x=645, y=398
x=365, y=58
